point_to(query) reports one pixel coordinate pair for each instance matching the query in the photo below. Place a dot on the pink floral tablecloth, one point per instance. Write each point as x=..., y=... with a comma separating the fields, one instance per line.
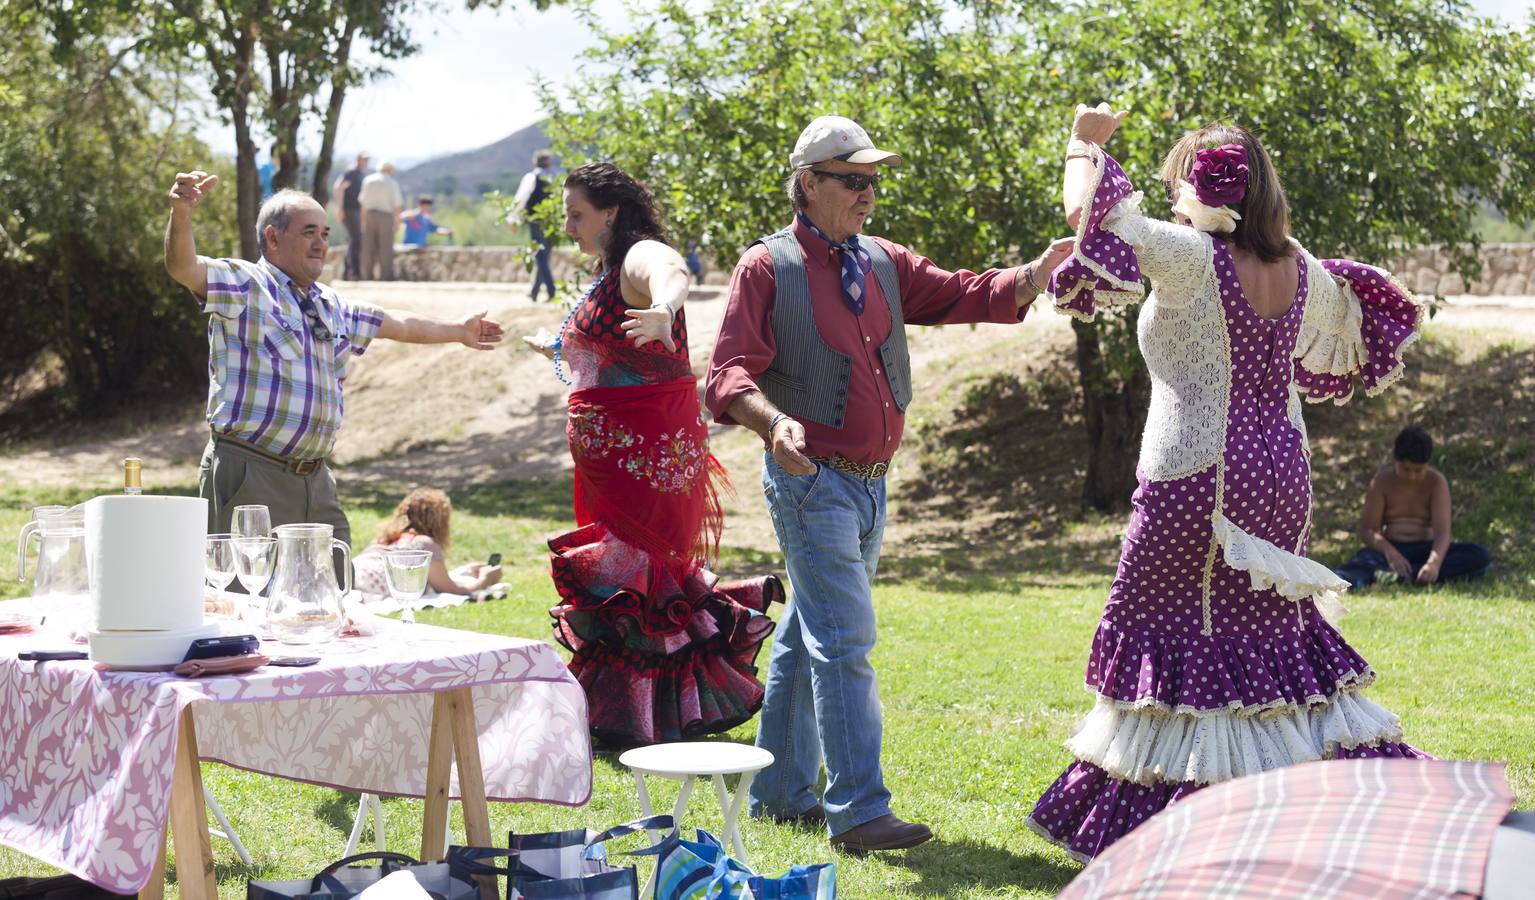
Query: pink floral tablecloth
x=86, y=755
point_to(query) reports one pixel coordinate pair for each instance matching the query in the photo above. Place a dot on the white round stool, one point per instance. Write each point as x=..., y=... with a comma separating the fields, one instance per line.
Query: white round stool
x=689, y=760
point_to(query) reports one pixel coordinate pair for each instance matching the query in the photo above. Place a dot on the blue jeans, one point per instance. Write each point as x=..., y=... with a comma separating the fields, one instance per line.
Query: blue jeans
x=541, y=273
x=822, y=703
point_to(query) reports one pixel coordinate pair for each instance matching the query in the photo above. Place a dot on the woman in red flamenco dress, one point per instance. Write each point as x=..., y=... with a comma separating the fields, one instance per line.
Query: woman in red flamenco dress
x=663, y=649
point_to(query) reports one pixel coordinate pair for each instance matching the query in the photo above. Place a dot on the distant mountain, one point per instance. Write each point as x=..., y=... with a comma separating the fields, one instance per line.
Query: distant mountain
x=499, y=166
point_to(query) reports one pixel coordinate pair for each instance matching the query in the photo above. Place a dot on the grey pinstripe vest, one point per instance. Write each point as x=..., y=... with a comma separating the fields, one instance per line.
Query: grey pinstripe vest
x=808, y=379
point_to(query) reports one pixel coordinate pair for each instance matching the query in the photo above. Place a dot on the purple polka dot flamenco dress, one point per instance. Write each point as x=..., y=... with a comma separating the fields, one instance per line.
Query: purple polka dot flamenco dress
x=1212, y=659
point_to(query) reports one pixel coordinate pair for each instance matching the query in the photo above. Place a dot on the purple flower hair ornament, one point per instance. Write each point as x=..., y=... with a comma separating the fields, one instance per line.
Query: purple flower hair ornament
x=1219, y=175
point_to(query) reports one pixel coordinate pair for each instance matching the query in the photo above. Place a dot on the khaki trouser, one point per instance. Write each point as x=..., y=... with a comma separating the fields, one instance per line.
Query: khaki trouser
x=377, y=245
x=231, y=475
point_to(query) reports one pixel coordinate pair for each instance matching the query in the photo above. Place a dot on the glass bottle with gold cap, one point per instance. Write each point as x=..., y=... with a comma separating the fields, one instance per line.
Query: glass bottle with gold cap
x=133, y=472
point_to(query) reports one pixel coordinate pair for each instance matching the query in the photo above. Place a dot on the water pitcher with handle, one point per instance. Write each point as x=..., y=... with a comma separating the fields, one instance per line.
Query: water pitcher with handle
x=305, y=604
x=61, y=572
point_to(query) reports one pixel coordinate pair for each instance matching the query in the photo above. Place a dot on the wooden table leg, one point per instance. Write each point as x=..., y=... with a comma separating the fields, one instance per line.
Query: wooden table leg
x=155, y=889
x=439, y=762
x=189, y=818
x=471, y=778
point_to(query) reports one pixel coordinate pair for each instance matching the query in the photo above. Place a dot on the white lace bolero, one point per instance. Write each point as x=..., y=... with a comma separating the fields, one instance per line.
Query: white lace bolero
x=1357, y=321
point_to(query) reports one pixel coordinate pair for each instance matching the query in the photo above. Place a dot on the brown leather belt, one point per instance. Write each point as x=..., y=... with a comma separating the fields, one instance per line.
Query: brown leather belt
x=292, y=466
x=862, y=470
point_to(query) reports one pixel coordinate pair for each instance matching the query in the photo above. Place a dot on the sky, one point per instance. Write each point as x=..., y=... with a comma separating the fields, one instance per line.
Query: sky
x=472, y=82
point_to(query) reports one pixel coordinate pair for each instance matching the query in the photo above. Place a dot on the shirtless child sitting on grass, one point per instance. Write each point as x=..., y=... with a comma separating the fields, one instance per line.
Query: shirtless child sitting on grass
x=1406, y=523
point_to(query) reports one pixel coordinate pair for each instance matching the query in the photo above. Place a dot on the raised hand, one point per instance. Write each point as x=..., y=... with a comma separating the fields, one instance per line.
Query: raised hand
x=653, y=323
x=190, y=188
x=480, y=333
x=1096, y=124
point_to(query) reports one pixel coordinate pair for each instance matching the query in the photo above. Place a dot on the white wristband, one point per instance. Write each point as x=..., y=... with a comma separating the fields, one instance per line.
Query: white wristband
x=1078, y=147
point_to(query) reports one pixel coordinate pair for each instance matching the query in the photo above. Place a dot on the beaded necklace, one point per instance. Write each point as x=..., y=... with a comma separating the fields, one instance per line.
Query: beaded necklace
x=559, y=339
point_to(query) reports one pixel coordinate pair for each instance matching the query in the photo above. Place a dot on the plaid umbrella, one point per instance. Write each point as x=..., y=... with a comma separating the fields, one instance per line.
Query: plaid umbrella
x=1379, y=828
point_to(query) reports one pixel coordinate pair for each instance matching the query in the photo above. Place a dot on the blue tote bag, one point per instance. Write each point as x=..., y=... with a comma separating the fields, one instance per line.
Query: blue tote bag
x=702, y=870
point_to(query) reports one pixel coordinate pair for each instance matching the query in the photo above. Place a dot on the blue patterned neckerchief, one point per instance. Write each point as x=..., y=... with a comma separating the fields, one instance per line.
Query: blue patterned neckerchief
x=855, y=266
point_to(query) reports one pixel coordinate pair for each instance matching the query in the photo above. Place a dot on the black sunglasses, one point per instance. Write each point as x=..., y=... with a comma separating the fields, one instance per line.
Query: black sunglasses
x=316, y=325
x=853, y=181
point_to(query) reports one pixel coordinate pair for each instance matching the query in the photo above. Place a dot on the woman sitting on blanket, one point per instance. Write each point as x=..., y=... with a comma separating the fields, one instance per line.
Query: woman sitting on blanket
x=420, y=522
x=1213, y=658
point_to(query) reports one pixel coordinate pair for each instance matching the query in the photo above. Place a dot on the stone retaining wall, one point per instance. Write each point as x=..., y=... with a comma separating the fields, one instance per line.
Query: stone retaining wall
x=1506, y=268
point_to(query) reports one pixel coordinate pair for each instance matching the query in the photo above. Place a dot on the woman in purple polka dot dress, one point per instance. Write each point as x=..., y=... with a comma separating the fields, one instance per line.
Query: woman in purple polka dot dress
x=1213, y=658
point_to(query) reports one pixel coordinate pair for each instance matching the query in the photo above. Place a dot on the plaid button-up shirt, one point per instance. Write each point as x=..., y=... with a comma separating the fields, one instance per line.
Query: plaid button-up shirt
x=270, y=382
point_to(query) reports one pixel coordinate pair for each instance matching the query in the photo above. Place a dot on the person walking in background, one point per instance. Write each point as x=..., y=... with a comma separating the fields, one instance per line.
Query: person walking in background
x=419, y=224
x=663, y=649
x=268, y=171
x=279, y=347
x=1406, y=523
x=1213, y=658
x=812, y=356
x=381, y=201
x=346, y=191
x=531, y=191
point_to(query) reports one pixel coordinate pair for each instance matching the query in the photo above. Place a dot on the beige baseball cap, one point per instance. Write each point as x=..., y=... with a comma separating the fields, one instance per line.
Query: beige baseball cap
x=835, y=137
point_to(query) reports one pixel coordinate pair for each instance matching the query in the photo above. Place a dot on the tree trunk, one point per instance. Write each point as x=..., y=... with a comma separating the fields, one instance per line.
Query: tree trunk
x=338, y=84
x=248, y=182
x=1114, y=412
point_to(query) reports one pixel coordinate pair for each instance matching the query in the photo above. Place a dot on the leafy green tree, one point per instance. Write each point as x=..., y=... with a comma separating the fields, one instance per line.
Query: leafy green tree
x=267, y=63
x=1390, y=121
x=86, y=159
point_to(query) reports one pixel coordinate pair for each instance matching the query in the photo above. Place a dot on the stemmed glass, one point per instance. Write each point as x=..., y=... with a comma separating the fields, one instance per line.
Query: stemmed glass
x=406, y=572
x=219, y=560
x=253, y=520
x=254, y=557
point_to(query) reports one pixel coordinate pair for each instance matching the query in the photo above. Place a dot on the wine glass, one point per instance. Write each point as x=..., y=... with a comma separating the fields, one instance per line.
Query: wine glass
x=219, y=560
x=254, y=557
x=252, y=520
x=405, y=571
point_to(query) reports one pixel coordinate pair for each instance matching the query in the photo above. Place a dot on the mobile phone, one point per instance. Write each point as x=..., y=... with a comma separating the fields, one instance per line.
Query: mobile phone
x=51, y=655
x=224, y=645
x=495, y=560
x=293, y=660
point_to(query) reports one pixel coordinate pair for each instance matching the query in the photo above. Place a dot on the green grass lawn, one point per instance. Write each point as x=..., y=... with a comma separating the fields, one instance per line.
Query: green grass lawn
x=981, y=676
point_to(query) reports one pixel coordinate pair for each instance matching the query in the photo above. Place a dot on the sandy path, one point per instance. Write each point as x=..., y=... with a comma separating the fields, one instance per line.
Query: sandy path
x=451, y=416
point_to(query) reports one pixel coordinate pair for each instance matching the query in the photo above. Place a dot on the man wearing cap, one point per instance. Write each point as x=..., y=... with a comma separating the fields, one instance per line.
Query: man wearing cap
x=812, y=356
x=279, y=347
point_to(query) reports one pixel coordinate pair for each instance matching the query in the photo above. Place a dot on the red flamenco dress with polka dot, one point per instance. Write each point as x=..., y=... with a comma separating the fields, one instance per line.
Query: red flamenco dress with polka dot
x=664, y=650
x=1213, y=658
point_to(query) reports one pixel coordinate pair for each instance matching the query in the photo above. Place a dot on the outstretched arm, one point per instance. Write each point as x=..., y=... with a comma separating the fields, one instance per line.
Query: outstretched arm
x=475, y=332
x=181, y=259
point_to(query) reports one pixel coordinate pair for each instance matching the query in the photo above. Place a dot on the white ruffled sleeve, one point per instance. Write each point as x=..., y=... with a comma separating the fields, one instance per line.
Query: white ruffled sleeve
x=1358, y=320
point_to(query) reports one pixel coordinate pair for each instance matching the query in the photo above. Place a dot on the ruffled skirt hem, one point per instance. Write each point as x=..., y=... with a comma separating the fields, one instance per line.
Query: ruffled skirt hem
x=664, y=652
x=1087, y=809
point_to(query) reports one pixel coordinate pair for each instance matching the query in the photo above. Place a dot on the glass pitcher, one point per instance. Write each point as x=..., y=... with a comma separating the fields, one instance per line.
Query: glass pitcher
x=28, y=532
x=305, y=603
x=62, y=578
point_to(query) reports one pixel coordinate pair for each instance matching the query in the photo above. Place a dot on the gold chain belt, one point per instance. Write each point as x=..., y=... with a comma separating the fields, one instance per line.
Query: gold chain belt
x=862, y=470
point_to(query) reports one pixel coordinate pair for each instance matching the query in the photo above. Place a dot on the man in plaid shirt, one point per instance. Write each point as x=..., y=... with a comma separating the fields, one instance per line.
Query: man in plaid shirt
x=279, y=346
